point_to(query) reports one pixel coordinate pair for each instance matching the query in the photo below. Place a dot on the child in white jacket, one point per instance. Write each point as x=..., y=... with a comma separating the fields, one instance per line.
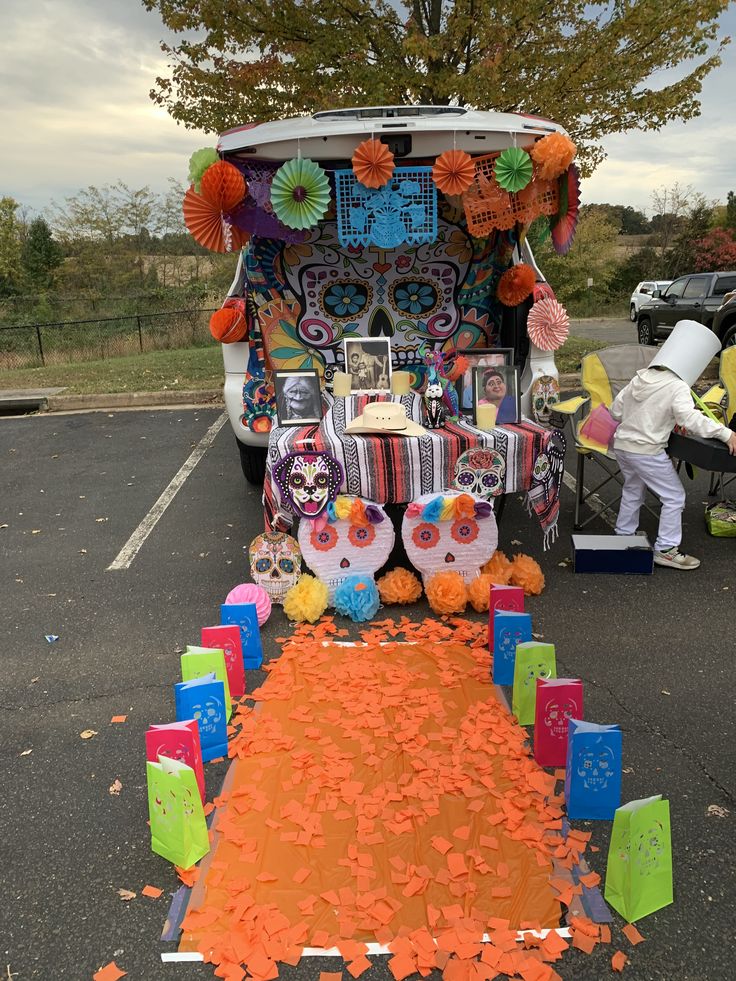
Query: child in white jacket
x=648, y=408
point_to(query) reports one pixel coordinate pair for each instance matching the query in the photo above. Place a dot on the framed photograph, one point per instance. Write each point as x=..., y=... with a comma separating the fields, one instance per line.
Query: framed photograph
x=498, y=385
x=368, y=362
x=478, y=357
x=298, y=398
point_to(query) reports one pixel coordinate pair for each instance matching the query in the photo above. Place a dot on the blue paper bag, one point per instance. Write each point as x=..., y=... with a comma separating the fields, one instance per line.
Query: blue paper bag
x=203, y=699
x=593, y=771
x=509, y=629
x=245, y=616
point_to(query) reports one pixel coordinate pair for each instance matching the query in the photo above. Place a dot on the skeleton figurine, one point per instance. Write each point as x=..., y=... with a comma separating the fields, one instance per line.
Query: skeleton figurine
x=433, y=405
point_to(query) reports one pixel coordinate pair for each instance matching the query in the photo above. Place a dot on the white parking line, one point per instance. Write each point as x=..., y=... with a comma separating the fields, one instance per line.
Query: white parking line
x=603, y=509
x=131, y=548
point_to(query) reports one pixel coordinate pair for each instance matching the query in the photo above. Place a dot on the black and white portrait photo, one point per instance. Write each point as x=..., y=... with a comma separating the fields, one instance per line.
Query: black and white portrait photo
x=369, y=364
x=298, y=400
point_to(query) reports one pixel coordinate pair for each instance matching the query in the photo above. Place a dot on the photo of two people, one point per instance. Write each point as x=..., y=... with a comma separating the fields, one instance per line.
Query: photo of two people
x=369, y=364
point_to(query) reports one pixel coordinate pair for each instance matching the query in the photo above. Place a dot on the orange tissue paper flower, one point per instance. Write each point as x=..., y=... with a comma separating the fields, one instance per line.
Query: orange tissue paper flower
x=446, y=592
x=399, y=586
x=553, y=154
x=527, y=573
x=479, y=592
x=223, y=185
x=373, y=163
x=498, y=567
x=453, y=171
x=464, y=506
x=516, y=284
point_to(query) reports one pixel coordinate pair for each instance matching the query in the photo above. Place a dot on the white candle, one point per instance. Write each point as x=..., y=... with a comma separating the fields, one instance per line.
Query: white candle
x=340, y=384
x=485, y=416
x=401, y=383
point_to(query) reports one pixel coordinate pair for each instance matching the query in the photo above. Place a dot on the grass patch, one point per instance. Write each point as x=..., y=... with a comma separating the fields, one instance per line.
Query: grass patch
x=190, y=369
x=568, y=357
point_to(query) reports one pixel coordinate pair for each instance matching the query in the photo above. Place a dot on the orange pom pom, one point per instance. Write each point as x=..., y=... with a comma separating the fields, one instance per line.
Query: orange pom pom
x=516, y=284
x=228, y=325
x=399, y=586
x=446, y=592
x=479, y=592
x=527, y=573
x=498, y=567
x=373, y=163
x=553, y=154
x=223, y=185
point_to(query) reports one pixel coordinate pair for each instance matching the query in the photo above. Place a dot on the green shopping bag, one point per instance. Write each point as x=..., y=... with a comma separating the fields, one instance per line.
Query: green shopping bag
x=639, y=871
x=196, y=662
x=533, y=660
x=178, y=826
x=720, y=519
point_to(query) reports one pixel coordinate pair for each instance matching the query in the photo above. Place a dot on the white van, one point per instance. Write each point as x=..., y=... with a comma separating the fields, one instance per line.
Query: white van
x=293, y=280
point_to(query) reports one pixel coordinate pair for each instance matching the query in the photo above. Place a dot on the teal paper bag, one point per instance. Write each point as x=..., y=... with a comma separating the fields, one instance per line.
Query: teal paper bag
x=178, y=825
x=533, y=660
x=199, y=661
x=639, y=870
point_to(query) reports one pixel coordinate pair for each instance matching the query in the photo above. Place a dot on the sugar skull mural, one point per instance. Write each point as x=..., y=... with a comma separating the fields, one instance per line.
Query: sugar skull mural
x=356, y=539
x=545, y=395
x=452, y=531
x=595, y=765
x=275, y=563
x=308, y=481
x=481, y=472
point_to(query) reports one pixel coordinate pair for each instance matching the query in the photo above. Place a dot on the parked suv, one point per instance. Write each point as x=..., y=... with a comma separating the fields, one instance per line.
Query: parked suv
x=643, y=293
x=693, y=297
x=724, y=320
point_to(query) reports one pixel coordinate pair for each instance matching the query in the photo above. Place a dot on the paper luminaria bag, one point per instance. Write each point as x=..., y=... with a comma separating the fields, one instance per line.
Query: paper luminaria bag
x=244, y=615
x=177, y=741
x=178, y=825
x=593, y=771
x=509, y=629
x=533, y=660
x=226, y=638
x=639, y=870
x=509, y=598
x=558, y=701
x=199, y=661
x=203, y=699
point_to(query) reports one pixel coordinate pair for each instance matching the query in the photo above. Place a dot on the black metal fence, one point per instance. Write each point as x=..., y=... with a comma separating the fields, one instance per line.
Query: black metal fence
x=37, y=345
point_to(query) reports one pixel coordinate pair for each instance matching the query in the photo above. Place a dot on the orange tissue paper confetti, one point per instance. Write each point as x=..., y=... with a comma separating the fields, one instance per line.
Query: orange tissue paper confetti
x=110, y=972
x=153, y=892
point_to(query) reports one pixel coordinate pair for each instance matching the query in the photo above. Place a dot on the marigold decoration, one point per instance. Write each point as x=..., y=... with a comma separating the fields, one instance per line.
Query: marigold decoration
x=516, y=284
x=300, y=193
x=527, y=573
x=553, y=154
x=513, y=169
x=228, y=325
x=357, y=597
x=199, y=161
x=307, y=600
x=548, y=324
x=399, y=587
x=207, y=226
x=498, y=567
x=446, y=592
x=453, y=171
x=223, y=186
x=479, y=592
x=373, y=163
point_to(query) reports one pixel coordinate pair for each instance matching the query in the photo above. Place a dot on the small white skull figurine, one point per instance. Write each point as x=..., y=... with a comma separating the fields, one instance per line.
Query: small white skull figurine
x=481, y=472
x=275, y=563
x=648, y=848
x=454, y=542
x=545, y=395
x=557, y=714
x=356, y=539
x=595, y=766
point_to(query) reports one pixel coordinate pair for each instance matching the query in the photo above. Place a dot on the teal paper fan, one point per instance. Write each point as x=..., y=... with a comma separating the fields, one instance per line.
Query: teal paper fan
x=300, y=193
x=513, y=169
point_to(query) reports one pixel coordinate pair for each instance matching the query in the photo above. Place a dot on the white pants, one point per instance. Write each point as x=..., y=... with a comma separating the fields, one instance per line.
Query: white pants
x=659, y=475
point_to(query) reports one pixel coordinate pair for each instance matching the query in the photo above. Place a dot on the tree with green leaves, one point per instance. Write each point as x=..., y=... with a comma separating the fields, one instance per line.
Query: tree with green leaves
x=730, y=216
x=11, y=228
x=40, y=256
x=590, y=66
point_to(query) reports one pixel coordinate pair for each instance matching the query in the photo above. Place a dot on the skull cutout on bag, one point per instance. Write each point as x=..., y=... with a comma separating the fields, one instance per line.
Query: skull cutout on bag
x=275, y=563
x=545, y=395
x=648, y=848
x=595, y=766
x=481, y=472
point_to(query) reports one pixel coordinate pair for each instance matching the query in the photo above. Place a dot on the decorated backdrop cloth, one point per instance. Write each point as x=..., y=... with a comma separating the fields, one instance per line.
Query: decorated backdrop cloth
x=398, y=469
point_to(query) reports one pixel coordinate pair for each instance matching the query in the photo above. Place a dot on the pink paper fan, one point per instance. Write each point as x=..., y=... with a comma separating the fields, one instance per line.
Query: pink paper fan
x=248, y=592
x=548, y=324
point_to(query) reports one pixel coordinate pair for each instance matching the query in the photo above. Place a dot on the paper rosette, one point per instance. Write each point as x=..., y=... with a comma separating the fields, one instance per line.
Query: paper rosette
x=373, y=163
x=207, y=226
x=222, y=185
x=548, y=324
x=453, y=171
x=564, y=223
x=300, y=193
x=513, y=169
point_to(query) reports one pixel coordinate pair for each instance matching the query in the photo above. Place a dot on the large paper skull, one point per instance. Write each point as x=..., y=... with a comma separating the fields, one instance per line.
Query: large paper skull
x=648, y=848
x=595, y=764
x=557, y=713
x=358, y=543
x=545, y=395
x=481, y=472
x=275, y=563
x=456, y=544
x=208, y=714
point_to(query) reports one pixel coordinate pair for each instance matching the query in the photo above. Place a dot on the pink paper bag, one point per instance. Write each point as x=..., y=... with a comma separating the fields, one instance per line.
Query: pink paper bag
x=509, y=598
x=558, y=701
x=177, y=741
x=227, y=639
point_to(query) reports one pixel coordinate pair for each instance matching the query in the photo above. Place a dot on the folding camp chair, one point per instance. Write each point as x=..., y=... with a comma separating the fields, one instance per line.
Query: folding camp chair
x=721, y=399
x=602, y=376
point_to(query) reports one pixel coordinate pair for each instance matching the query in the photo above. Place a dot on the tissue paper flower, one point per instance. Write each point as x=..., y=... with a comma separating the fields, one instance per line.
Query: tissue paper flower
x=399, y=586
x=446, y=592
x=527, y=573
x=307, y=600
x=357, y=597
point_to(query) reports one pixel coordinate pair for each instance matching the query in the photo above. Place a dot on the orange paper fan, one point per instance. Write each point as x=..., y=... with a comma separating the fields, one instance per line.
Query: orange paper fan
x=207, y=227
x=223, y=186
x=453, y=172
x=373, y=163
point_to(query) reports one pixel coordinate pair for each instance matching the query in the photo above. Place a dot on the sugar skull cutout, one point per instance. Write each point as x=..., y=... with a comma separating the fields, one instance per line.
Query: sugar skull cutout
x=647, y=849
x=595, y=765
x=536, y=669
x=163, y=802
x=449, y=532
x=508, y=638
x=356, y=539
x=209, y=715
x=481, y=472
x=545, y=395
x=275, y=563
x=556, y=715
x=308, y=481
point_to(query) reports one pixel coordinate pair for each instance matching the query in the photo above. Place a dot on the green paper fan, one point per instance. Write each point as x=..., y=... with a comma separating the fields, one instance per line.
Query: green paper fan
x=199, y=161
x=513, y=169
x=300, y=193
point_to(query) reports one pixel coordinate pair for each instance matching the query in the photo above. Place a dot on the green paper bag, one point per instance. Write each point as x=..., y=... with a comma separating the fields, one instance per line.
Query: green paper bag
x=178, y=826
x=533, y=660
x=196, y=662
x=639, y=871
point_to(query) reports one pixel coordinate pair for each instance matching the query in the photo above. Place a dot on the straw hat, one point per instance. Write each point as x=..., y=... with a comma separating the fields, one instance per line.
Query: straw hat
x=385, y=417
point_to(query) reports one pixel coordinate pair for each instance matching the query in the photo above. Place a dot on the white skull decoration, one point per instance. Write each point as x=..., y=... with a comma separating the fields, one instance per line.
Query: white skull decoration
x=439, y=537
x=648, y=848
x=275, y=563
x=595, y=764
x=355, y=539
x=556, y=715
x=545, y=395
x=481, y=472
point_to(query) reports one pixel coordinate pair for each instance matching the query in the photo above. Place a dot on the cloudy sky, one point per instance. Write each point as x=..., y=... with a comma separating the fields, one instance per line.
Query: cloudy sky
x=75, y=111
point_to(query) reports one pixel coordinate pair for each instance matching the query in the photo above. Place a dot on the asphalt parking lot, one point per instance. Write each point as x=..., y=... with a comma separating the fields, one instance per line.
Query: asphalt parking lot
x=655, y=655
